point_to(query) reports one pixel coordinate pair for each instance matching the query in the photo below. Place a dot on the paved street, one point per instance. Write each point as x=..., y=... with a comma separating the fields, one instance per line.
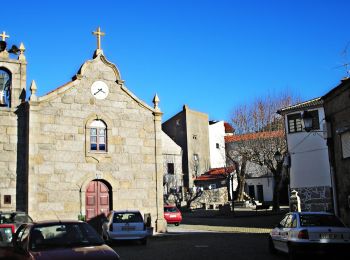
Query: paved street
x=209, y=235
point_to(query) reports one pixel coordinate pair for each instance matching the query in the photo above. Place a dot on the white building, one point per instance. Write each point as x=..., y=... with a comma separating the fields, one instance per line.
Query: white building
x=310, y=172
x=217, y=144
x=260, y=188
x=172, y=165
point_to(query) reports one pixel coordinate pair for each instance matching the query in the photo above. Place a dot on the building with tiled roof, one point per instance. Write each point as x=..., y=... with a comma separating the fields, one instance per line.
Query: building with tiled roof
x=259, y=181
x=309, y=167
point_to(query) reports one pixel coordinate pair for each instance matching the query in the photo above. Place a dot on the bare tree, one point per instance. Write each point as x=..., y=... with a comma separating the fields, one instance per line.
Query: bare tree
x=259, y=134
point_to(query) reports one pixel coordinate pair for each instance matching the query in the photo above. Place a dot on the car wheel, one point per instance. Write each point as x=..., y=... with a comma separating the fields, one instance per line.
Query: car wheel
x=272, y=248
x=176, y=224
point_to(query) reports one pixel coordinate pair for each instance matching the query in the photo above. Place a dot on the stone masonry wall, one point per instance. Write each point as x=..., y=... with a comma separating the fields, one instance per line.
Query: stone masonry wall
x=60, y=165
x=13, y=142
x=315, y=198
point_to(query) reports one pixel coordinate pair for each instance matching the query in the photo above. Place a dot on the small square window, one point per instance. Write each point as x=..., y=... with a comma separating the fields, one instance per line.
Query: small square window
x=7, y=199
x=195, y=137
x=170, y=168
x=217, y=146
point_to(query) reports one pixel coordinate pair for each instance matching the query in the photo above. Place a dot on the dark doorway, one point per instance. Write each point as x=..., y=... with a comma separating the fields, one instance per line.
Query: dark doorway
x=260, y=191
x=251, y=191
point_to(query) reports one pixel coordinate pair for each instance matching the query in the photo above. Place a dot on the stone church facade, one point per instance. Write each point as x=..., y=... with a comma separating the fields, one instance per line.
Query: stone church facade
x=85, y=148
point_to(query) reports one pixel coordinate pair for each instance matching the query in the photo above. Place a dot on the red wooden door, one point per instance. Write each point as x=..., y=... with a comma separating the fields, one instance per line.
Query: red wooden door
x=97, y=199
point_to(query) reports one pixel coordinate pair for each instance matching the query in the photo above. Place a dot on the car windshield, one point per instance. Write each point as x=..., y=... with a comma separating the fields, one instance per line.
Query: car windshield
x=319, y=220
x=63, y=235
x=170, y=209
x=127, y=217
x=14, y=217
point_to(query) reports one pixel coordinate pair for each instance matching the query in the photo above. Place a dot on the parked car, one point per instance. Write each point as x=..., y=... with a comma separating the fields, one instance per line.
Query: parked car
x=16, y=218
x=310, y=232
x=9, y=222
x=59, y=240
x=172, y=215
x=124, y=225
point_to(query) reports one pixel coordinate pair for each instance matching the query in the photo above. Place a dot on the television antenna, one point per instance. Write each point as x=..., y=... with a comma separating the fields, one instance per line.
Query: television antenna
x=346, y=64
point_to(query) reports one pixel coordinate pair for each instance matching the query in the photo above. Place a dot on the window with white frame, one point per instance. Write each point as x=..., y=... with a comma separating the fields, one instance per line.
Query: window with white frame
x=345, y=144
x=98, y=136
x=294, y=123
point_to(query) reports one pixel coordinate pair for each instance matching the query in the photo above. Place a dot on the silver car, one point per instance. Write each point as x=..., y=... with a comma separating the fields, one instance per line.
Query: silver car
x=125, y=225
x=310, y=232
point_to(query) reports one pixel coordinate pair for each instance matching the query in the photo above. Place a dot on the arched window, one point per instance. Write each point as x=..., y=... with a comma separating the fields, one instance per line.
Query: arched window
x=98, y=136
x=5, y=83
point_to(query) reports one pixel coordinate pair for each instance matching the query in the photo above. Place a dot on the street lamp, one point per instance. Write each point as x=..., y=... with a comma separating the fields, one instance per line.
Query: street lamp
x=307, y=119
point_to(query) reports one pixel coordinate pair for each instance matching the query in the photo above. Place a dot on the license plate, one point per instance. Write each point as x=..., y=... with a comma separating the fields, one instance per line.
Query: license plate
x=328, y=236
x=173, y=216
x=128, y=228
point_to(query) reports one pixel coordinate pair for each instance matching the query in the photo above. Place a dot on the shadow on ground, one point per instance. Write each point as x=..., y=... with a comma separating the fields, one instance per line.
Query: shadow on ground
x=238, y=218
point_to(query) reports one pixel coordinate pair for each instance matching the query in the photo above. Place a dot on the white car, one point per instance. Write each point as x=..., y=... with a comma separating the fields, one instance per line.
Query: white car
x=125, y=225
x=310, y=232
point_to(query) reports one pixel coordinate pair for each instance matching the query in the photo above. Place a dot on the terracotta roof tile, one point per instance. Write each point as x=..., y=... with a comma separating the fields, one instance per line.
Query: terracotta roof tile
x=228, y=128
x=252, y=136
x=216, y=173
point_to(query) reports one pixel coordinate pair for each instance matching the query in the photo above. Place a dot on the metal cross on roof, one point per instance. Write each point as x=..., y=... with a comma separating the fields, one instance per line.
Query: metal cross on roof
x=4, y=36
x=98, y=34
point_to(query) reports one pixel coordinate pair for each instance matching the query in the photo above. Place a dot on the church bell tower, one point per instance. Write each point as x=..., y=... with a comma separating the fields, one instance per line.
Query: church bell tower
x=13, y=126
x=13, y=67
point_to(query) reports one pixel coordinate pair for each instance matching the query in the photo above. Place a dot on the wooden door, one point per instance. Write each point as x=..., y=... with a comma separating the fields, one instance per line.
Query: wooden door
x=97, y=199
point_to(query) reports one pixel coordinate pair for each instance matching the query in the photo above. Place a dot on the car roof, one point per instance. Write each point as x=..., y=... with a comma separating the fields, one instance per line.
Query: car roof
x=126, y=211
x=12, y=212
x=56, y=222
x=169, y=206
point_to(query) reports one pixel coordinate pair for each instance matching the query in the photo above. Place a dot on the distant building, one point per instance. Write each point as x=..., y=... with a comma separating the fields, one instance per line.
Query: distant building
x=172, y=166
x=217, y=144
x=189, y=129
x=259, y=182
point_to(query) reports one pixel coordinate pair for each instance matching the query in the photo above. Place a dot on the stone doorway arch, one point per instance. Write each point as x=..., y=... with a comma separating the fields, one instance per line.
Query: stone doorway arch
x=98, y=198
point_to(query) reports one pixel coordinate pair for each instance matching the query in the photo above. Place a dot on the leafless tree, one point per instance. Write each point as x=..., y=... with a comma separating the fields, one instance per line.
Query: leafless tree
x=259, y=134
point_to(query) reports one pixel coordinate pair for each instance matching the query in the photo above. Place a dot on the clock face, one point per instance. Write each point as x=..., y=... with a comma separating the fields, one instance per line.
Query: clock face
x=99, y=90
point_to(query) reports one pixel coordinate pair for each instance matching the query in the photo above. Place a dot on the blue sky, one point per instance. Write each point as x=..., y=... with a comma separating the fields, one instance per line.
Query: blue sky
x=212, y=55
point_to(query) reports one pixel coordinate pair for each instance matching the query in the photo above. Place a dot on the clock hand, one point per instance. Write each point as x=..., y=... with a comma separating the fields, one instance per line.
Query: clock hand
x=99, y=90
